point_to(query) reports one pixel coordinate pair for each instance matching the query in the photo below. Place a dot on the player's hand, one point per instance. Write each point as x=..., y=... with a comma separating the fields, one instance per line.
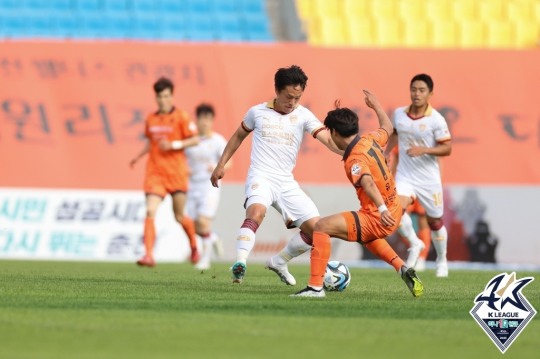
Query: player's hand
x=371, y=100
x=387, y=220
x=217, y=174
x=416, y=151
x=165, y=145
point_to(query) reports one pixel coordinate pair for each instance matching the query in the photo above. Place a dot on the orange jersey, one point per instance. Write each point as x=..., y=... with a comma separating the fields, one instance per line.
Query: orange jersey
x=364, y=156
x=172, y=126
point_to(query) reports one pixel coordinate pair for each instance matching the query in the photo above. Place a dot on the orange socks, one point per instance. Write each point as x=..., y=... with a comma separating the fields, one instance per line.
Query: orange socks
x=320, y=253
x=189, y=227
x=149, y=236
x=425, y=236
x=382, y=249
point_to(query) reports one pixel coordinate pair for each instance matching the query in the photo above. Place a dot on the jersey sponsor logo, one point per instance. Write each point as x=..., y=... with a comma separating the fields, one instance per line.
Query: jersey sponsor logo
x=293, y=119
x=502, y=310
x=355, y=169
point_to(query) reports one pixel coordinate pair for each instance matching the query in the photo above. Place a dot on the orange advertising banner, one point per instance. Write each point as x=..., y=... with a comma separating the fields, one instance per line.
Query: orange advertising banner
x=72, y=113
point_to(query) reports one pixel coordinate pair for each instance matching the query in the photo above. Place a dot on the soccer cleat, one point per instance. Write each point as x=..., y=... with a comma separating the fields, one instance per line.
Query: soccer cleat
x=442, y=269
x=146, y=261
x=414, y=253
x=195, y=256
x=413, y=282
x=309, y=292
x=281, y=270
x=238, y=271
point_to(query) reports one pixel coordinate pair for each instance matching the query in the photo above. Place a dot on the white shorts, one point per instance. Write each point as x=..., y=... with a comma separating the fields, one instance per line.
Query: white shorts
x=286, y=197
x=202, y=200
x=429, y=195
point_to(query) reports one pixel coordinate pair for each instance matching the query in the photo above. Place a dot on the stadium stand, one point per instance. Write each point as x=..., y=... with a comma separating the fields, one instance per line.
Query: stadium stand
x=497, y=24
x=166, y=20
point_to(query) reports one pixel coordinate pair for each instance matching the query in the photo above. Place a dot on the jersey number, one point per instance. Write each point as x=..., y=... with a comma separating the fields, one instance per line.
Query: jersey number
x=373, y=154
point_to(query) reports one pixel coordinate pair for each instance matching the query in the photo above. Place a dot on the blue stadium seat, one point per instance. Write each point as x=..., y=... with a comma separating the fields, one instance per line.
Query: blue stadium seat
x=173, y=6
x=229, y=27
x=226, y=6
x=173, y=26
x=200, y=7
x=257, y=27
x=119, y=25
x=35, y=5
x=145, y=7
x=147, y=26
x=200, y=27
x=253, y=6
x=10, y=5
x=67, y=25
x=13, y=24
x=40, y=25
x=117, y=5
x=88, y=5
x=93, y=25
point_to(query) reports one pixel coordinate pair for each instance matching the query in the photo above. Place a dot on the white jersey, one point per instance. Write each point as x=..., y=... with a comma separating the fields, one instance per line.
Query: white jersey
x=277, y=138
x=203, y=157
x=426, y=131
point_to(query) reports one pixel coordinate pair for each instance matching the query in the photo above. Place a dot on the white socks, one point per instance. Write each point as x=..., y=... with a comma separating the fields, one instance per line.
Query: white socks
x=294, y=248
x=440, y=239
x=406, y=229
x=244, y=244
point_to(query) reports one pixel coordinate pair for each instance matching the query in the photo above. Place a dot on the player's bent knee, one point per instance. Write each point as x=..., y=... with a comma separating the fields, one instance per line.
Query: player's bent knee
x=436, y=224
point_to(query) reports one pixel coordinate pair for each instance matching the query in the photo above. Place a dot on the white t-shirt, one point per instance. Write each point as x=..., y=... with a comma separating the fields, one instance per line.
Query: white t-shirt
x=203, y=157
x=277, y=138
x=426, y=131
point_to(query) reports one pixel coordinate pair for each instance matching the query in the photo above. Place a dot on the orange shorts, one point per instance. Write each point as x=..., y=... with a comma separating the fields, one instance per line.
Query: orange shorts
x=364, y=227
x=161, y=185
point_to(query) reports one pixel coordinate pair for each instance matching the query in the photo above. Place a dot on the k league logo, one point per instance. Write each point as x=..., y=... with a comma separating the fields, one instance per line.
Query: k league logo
x=502, y=310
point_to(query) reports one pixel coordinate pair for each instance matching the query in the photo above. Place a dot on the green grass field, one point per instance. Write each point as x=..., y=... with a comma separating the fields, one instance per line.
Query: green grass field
x=103, y=310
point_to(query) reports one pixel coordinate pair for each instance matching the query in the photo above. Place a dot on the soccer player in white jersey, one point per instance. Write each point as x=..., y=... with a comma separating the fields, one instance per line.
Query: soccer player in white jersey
x=423, y=137
x=278, y=127
x=203, y=198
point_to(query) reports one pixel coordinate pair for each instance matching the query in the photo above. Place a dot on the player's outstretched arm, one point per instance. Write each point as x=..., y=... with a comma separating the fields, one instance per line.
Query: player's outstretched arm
x=141, y=154
x=373, y=103
x=325, y=138
x=373, y=193
x=234, y=142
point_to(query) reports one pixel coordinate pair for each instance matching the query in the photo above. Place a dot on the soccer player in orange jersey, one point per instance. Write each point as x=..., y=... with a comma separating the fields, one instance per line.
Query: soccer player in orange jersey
x=380, y=211
x=169, y=131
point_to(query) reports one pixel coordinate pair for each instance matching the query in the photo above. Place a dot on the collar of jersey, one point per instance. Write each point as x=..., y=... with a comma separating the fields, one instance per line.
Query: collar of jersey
x=350, y=147
x=428, y=111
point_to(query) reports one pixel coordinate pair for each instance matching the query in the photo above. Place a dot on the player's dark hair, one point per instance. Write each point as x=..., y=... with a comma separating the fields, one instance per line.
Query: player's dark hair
x=425, y=78
x=205, y=109
x=342, y=120
x=292, y=75
x=163, y=83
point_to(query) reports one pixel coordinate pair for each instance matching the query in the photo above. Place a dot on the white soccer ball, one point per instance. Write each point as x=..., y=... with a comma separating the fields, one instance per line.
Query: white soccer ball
x=337, y=276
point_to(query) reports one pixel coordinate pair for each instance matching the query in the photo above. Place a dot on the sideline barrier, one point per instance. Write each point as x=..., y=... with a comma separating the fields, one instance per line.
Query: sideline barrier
x=72, y=114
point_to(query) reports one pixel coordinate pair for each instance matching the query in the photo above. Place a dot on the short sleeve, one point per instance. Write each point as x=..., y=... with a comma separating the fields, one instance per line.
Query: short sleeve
x=356, y=168
x=380, y=136
x=311, y=122
x=440, y=130
x=188, y=128
x=249, y=120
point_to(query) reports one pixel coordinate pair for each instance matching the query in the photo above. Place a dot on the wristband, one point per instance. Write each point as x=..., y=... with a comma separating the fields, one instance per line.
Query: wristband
x=382, y=208
x=177, y=145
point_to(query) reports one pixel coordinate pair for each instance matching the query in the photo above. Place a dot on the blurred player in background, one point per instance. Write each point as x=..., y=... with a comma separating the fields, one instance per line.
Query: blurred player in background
x=203, y=198
x=416, y=209
x=423, y=136
x=168, y=132
x=380, y=211
x=278, y=128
